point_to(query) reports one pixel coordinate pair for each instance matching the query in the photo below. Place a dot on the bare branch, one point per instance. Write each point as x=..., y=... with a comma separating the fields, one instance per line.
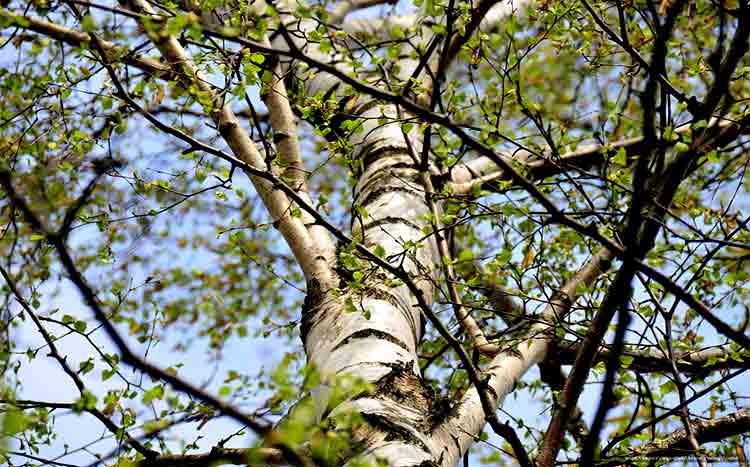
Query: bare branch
x=220, y=456
x=507, y=367
x=77, y=39
x=706, y=431
x=464, y=178
x=345, y=7
x=652, y=360
x=293, y=173
x=121, y=433
x=677, y=444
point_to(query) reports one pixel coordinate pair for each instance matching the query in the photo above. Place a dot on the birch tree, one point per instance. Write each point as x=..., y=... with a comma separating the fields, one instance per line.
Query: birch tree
x=441, y=210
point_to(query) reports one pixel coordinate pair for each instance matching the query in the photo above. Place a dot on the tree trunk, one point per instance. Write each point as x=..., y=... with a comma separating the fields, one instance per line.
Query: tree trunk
x=377, y=340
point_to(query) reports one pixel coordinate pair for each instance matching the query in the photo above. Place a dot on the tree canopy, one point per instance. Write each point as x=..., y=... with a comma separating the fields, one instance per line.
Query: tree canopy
x=374, y=232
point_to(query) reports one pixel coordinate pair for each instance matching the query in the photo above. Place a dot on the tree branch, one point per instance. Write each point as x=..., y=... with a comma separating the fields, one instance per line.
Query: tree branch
x=293, y=173
x=219, y=456
x=699, y=362
x=120, y=433
x=479, y=173
x=677, y=444
x=486, y=15
x=672, y=411
x=507, y=367
x=79, y=39
x=706, y=431
x=345, y=7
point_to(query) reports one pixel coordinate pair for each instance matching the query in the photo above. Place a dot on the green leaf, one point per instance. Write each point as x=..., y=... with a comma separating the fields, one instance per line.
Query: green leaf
x=626, y=361
x=80, y=326
x=155, y=393
x=620, y=158
x=257, y=58
x=87, y=401
x=465, y=255
x=681, y=147
x=379, y=251
x=88, y=23
x=86, y=366
x=14, y=421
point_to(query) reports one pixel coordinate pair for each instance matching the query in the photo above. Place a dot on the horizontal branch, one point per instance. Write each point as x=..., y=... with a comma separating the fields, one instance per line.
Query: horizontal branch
x=219, y=456
x=708, y=360
x=349, y=6
x=706, y=431
x=677, y=444
x=480, y=173
x=674, y=410
x=79, y=39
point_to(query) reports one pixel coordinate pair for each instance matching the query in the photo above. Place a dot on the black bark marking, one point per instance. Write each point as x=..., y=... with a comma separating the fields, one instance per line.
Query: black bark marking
x=385, y=189
x=390, y=220
x=405, y=387
x=384, y=152
x=310, y=307
x=365, y=333
x=398, y=173
x=394, y=431
x=365, y=106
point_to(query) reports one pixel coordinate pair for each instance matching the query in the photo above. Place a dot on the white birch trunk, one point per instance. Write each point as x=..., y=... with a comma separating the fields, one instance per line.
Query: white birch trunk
x=382, y=348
